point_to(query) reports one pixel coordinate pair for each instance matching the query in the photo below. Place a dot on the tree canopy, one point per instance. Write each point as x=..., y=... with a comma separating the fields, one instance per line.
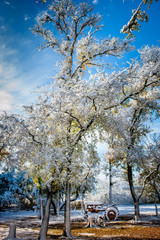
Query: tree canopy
x=52, y=140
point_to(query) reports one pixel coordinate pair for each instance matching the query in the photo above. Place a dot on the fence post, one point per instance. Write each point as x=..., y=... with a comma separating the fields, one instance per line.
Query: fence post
x=12, y=232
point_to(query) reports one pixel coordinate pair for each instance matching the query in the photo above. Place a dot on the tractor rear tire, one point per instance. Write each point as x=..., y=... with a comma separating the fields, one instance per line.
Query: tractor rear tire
x=111, y=213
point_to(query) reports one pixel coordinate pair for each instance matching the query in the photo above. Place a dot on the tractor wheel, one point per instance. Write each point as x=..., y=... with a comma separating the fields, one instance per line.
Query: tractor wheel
x=111, y=213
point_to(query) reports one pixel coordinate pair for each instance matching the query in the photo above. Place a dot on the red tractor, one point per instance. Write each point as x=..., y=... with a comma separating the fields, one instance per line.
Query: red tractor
x=109, y=213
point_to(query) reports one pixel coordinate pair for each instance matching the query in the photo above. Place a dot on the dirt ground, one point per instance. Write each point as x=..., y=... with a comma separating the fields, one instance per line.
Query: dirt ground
x=121, y=229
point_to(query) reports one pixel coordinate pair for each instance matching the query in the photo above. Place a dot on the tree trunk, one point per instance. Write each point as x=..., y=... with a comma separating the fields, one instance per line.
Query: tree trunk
x=110, y=182
x=133, y=194
x=54, y=207
x=153, y=185
x=136, y=209
x=82, y=208
x=155, y=196
x=155, y=203
x=58, y=209
x=67, y=221
x=41, y=205
x=45, y=220
x=71, y=200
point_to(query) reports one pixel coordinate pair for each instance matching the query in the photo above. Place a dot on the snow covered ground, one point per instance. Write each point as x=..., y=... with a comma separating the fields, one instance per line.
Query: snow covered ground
x=148, y=209
x=18, y=214
x=27, y=221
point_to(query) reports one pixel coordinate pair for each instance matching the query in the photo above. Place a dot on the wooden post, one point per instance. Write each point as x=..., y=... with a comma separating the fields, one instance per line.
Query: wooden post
x=12, y=232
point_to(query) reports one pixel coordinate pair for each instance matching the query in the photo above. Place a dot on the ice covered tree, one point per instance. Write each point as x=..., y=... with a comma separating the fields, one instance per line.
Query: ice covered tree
x=148, y=105
x=137, y=16
x=16, y=189
x=11, y=132
x=74, y=103
x=110, y=167
x=69, y=30
x=151, y=168
x=45, y=145
x=130, y=119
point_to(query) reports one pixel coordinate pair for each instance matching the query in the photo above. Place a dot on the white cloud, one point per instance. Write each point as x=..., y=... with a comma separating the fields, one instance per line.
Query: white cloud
x=18, y=79
x=14, y=85
x=8, y=3
x=6, y=101
x=3, y=28
x=0, y=69
x=26, y=18
x=95, y=1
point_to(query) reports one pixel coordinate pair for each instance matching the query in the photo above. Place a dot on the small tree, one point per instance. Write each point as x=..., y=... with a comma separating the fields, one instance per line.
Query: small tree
x=15, y=187
x=151, y=167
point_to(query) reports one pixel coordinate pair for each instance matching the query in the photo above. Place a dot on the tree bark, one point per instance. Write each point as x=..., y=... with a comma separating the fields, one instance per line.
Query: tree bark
x=110, y=182
x=58, y=209
x=71, y=200
x=67, y=221
x=155, y=203
x=82, y=202
x=156, y=193
x=155, y=196
x=54, y=207
x=136, y=209
x=45, y=220
x=134, y=196
x=41, y=204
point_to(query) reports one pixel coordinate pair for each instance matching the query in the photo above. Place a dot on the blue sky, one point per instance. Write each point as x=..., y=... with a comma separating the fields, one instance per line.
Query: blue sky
x=23, y=67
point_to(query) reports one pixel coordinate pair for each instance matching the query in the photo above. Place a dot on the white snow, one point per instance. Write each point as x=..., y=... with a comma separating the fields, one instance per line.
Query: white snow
x=146, y=209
